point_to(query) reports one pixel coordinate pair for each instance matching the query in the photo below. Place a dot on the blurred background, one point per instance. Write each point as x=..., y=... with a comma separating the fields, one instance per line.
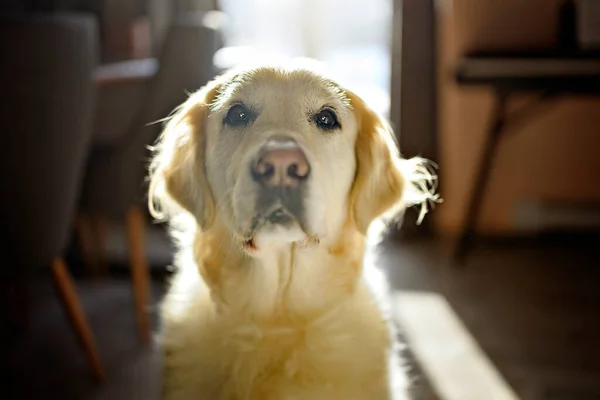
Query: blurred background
x=497, y=292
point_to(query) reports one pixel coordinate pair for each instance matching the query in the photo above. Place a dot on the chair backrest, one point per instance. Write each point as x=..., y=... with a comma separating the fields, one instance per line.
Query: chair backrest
x=186, y=62
x=185, y=65
x=46, y=109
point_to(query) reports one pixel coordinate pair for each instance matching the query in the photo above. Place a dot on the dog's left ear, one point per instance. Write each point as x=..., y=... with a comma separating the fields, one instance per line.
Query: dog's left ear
x=383, y=179
x=177, y=171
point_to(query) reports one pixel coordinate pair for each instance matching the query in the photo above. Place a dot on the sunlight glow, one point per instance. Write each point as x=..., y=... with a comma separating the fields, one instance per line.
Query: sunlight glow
x=450, y=357
x=355, y=48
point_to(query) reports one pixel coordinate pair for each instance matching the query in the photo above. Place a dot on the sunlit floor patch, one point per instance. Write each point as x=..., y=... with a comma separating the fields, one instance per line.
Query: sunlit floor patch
x=450, y=357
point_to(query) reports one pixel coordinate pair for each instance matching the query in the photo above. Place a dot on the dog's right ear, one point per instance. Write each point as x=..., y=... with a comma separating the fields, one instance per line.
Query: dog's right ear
x=177, y=171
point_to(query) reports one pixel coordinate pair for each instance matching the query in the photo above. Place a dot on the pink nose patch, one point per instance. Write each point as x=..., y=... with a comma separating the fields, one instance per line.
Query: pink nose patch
x=282, y=164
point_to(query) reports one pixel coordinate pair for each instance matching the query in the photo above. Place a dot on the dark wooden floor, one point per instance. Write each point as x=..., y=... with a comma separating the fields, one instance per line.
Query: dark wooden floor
x=534, y=308
x=46, y=362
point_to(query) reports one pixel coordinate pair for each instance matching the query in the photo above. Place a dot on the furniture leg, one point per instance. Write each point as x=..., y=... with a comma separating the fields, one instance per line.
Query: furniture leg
x=100, y=226
x=67, y=292
x=87, y=244
x=482, y=176
x=139, y=270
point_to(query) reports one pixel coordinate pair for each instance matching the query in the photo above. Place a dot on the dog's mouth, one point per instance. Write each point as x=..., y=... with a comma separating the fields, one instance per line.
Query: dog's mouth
x=272, y=218
x=280, y=216
x=276, y=215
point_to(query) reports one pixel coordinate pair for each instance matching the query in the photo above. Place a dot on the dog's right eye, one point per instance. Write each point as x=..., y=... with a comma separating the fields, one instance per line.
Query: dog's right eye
x=238, y=115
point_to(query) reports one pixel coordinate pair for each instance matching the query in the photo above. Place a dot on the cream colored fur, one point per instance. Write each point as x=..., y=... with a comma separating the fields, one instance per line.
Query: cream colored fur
x=299, y=317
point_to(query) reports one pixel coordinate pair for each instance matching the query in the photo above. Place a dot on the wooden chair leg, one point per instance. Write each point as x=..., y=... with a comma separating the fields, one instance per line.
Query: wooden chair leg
x=139, y=270
x=484, y=169
x=92, y=232
x=66, y=289
x=100, y=226
x=88, y=244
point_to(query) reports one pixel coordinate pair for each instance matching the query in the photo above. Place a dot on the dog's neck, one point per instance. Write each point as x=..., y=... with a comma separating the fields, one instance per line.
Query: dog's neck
x=284, y=283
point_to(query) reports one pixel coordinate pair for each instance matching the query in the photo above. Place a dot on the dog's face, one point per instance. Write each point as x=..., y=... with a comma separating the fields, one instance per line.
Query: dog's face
x=278, y=155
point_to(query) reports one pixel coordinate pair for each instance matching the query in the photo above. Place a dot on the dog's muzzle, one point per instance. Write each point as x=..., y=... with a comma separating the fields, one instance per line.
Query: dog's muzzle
x=281, y=170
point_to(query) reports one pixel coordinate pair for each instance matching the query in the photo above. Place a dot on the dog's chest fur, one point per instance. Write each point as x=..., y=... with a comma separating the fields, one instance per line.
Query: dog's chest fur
x=277, y=332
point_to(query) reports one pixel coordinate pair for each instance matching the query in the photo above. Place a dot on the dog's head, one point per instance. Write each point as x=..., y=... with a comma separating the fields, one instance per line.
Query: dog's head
x=278, y=155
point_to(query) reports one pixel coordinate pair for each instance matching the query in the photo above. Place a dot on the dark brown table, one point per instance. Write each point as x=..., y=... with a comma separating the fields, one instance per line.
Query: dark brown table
x=547, y=74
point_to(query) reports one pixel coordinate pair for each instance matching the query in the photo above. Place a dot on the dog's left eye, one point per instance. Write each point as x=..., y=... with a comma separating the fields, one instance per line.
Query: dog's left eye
x=326, y=119
x=238, y=115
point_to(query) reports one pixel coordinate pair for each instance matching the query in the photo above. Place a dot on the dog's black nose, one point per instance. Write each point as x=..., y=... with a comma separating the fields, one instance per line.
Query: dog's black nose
x=281, y=163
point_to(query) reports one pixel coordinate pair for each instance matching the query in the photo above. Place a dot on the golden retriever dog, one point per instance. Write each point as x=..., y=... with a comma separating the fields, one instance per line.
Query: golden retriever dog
x=271, y=176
